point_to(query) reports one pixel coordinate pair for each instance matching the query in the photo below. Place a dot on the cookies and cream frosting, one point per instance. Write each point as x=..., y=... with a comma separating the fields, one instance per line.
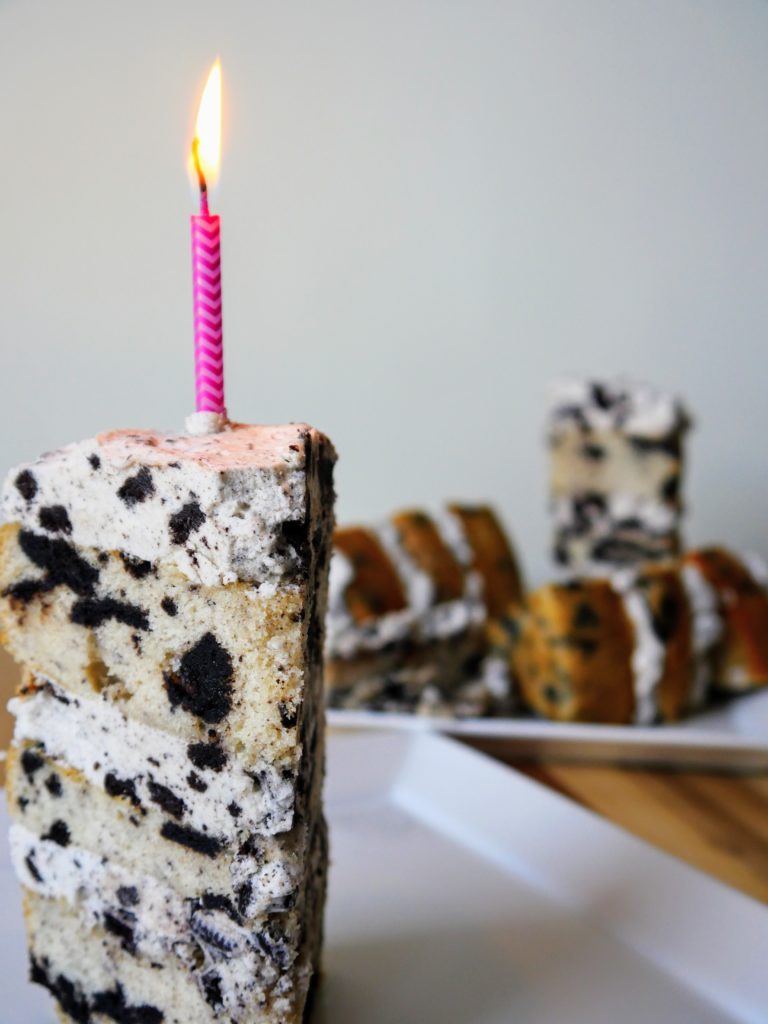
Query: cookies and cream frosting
x=220, y=507
x=636, y=409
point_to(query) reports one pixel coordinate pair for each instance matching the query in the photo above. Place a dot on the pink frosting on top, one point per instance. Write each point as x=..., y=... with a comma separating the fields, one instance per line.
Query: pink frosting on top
x=238, y=446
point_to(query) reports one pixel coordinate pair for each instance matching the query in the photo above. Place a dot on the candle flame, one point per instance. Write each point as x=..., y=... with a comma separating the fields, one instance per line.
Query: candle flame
x=206, y=145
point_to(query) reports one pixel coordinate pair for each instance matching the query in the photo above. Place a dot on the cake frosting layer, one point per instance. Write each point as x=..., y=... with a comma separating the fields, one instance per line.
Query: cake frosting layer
x=230, y=506
x=597, y=533
x=707, y=631
x=255, y=873
x=142, y=920
x=95, y=979
x=111, y=750
x=635, y=408
x=737, y=583
x=647, y=658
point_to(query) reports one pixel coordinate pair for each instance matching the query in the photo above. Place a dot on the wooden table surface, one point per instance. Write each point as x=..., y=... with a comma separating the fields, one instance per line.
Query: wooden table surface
x=717, y=823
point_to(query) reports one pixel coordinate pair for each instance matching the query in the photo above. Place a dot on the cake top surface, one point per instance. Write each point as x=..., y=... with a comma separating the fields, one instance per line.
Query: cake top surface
x=217, y=506
x=237, y=446
x=630, y=406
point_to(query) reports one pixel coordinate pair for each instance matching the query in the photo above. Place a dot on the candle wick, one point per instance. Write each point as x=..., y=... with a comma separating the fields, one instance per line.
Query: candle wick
x=200, y=177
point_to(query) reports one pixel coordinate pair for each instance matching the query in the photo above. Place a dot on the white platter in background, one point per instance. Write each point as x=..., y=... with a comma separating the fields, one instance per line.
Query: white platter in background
x=464, y=893
x=732, y=737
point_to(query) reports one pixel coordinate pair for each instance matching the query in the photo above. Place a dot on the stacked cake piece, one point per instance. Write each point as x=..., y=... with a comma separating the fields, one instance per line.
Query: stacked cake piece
x=165, y=595
x=739, y=584
x=639, y=647
x=615, y=473
x=633, y=632
x=418, y=614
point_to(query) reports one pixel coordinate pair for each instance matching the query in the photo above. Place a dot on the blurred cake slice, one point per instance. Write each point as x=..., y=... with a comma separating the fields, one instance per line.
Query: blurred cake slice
x=166, y=595
x=637, y=648
x=616, y=469
x=478, y=538
x=740, y=588
x=408, y=625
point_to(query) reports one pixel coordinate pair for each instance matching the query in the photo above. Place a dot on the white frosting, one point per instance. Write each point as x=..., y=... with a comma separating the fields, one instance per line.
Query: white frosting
x=756, y=565
x=94, y=737
x=707, y=629
x=419, y=588
x=648, y=654
x=344, y=636
x=652, y=515
x=201, y=423
x=213, y=506
x=422, y=620
x=450, y=618
x=635, y=408
x=71, y=873
x=162, y=923
x=707, y=622
x=496, y=678
x=452, y=531
x=433, y=621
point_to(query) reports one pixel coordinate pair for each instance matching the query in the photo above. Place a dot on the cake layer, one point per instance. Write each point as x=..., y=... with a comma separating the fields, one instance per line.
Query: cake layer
x=595, y=532
x=477, y=538
x=95, y=738
x=149, y=918
x=574, y=657
x=238, y=505
x=266, y=983
x=233, y=666
x=607, y=463
x=148, y=830
x=739, y=585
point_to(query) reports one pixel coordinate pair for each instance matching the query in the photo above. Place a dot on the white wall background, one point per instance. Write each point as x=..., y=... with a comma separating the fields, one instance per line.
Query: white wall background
x=430, y=207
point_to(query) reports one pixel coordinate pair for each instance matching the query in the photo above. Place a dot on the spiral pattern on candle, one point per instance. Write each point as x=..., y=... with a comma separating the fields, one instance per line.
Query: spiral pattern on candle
x=206, y=284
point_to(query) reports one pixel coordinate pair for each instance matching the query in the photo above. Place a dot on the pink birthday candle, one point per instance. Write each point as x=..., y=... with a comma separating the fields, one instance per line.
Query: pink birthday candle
x=206, y=256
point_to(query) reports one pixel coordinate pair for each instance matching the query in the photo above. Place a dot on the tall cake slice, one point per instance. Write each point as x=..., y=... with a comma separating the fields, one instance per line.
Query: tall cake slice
x=165, y=595
x=616, y=465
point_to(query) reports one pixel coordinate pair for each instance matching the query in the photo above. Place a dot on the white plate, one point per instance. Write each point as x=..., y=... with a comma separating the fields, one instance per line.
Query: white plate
x=463, y=893
x=733, y=737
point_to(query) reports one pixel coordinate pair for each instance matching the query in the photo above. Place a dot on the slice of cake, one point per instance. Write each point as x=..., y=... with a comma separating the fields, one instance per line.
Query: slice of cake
x=410, y=613
x=740, y=589
x=165, y=595
x=616, y=466
x=404, y=618
x=481, y=544
x=635, y=648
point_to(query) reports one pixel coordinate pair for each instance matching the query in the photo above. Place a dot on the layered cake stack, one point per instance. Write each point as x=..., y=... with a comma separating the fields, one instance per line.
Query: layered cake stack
x=165, y=595
x=616, y=462
x=419, y=611
x=633, y=632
